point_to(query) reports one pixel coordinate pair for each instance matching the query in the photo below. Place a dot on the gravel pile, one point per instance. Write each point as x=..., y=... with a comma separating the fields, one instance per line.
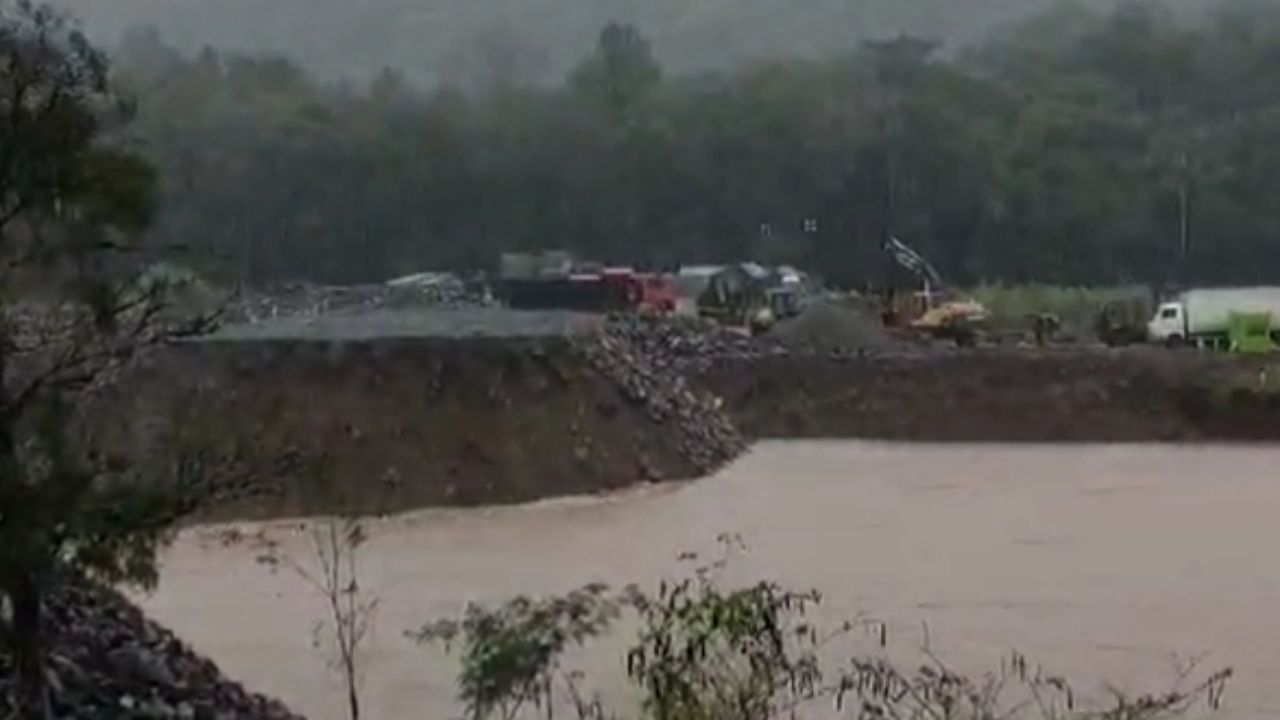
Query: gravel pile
x=306, y=300
x=708, y=438
x=107, y=660
x=421, y=323
x=692, y=346
x=828, y=326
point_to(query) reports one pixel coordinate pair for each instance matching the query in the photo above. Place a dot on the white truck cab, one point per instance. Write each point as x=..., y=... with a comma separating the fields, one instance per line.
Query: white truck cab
x=1169, y=324
x=1203, y=316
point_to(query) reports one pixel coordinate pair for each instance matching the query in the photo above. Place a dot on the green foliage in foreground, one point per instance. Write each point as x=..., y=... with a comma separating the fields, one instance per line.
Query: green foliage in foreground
x=511, y=653
x=753, y=653
x=1079, y=147
x=76, y=306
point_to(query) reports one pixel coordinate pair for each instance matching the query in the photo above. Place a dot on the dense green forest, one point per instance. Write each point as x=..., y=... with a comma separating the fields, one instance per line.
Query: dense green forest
x=1080, y=146
x=474, y=42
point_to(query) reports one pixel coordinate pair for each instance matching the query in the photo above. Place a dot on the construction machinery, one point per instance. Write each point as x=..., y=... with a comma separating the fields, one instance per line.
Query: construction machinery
x=1123, y=321
x=753, y=298
x=933, y=311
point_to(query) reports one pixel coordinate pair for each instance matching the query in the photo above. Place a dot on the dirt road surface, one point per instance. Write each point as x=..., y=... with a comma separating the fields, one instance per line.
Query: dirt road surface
x=1100, y=562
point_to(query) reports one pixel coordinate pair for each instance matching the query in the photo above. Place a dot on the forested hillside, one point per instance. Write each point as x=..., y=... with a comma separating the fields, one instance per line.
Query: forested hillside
x=1077, y=146
x=480, y=41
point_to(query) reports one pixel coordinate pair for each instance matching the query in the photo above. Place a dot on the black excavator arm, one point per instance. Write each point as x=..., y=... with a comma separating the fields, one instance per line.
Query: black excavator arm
x=914, y=263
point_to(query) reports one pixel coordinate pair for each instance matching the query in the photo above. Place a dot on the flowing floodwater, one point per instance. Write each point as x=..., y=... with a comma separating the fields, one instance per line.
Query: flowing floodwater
x=1100, y=562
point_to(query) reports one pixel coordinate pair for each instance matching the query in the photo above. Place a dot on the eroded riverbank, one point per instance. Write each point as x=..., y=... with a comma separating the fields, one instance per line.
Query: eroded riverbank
x=379, y=425
x=1077, y=395
x=1099, y=561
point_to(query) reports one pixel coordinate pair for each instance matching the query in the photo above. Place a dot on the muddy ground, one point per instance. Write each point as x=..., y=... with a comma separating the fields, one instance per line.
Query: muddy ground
x=376, y=427
x=1002, y=395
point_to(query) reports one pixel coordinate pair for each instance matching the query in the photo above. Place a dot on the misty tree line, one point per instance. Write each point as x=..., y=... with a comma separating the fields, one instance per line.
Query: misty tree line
x=1078, y=147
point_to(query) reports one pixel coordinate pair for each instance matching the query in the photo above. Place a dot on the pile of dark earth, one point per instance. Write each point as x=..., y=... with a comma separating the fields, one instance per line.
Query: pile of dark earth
x=832, y=326
x=708, y=437
x=106, y=660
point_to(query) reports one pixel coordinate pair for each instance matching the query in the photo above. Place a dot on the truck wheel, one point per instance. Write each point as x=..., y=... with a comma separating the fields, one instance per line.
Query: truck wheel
x=1174, y=341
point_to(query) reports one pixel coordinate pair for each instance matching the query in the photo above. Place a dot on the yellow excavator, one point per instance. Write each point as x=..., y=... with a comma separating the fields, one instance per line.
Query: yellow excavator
x=934, y=311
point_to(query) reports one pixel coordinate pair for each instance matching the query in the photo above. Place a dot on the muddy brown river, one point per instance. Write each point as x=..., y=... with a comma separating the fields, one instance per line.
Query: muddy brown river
x=1112, y=564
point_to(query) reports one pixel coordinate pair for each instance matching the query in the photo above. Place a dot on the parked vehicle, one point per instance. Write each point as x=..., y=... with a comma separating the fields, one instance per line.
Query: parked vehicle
x=752, y=297
x=641, y=292
x=552, y=282
x=1218, y=317
x=1123, y=322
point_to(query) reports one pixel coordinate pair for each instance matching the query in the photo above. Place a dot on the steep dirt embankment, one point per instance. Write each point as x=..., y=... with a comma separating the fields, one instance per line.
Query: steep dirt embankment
x=407, y=423
x=1001, y=396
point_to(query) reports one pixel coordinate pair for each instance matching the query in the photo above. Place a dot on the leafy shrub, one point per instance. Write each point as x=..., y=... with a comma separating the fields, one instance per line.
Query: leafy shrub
x=511, y=654
x=706, y=653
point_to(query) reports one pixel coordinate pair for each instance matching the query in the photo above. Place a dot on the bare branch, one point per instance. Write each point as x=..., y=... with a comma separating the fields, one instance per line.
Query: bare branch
x=336, y=580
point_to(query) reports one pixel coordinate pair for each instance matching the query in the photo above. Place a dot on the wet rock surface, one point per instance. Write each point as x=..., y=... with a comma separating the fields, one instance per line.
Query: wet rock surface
x=693, y=346
x=108, y=661
x=708, y=437
x=686, y=346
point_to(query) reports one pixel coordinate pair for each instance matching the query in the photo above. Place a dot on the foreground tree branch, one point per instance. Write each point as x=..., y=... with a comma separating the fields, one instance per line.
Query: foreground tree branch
x=77, y=305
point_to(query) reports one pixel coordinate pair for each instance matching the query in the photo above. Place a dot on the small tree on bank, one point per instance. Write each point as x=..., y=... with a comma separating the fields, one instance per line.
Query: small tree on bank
x=335, y=577
x=75, y=306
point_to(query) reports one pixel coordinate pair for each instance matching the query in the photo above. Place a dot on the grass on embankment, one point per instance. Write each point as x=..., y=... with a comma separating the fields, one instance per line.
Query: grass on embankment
x=1076, y=307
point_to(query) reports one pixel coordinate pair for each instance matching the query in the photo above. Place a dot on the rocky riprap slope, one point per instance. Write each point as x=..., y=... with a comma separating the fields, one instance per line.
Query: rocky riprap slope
x=690, y=346
x=108, y=661
x=708, y=437
x=685, y=346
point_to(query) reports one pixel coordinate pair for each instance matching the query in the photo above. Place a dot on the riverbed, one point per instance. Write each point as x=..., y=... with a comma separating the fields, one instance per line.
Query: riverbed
x=1105, y=563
